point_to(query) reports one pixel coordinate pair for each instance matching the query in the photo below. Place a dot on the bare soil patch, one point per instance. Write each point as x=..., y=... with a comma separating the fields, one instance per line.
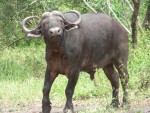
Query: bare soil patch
x=81, y=106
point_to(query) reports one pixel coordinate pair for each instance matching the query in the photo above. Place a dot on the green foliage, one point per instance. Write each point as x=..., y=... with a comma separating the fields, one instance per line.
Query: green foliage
x=19, y=64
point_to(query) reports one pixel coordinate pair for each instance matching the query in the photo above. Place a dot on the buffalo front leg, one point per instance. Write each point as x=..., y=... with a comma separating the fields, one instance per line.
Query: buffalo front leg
x=113, y=77
x=49, y=78
x=73, y=78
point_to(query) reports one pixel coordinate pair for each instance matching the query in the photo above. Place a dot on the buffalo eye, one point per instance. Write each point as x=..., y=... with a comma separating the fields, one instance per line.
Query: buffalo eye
x=45, y=23
x=61, y=21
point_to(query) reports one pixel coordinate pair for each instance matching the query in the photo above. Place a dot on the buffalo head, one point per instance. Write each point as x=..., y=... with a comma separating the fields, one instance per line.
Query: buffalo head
x=51, y=24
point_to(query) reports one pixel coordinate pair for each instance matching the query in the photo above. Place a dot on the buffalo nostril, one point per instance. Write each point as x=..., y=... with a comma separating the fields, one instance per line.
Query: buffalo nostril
x=55, y=31
x=58, y=30
x=51, y=32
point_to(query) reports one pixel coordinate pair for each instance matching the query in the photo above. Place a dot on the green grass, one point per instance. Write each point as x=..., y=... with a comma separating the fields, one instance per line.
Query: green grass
x=22, y=74
x=19, y=92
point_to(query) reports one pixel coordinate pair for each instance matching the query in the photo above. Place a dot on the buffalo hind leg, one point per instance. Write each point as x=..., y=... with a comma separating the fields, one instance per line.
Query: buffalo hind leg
x=121, y=66
x=113, y=77
x=49, y=78
x=72, y=80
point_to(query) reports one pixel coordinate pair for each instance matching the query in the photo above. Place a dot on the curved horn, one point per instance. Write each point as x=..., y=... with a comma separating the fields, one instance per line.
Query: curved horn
x=78, y=14
x=23, y=23
x=72, y=11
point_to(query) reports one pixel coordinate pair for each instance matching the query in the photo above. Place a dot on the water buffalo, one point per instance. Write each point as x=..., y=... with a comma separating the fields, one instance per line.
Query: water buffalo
x=76, y=43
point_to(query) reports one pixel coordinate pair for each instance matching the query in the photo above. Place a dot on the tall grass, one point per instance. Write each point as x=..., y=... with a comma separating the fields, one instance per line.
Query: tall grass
x=22, y=71
x=20, y=63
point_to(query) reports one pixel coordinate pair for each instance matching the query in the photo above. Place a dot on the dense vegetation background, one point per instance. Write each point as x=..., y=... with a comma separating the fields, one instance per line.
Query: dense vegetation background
x=22, y=64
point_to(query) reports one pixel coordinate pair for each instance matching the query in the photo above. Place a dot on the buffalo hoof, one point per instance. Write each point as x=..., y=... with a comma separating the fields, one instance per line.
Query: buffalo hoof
x=126, y=105
x=66, y=110
x=115, y=104
x=67, y=107
x=46, y=109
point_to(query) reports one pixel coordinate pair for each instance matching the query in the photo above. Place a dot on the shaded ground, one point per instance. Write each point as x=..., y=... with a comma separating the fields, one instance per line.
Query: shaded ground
x=82, y=106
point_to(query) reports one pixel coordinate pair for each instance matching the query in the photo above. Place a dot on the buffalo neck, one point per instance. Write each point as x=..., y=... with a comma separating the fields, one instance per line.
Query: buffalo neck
x=54, y=43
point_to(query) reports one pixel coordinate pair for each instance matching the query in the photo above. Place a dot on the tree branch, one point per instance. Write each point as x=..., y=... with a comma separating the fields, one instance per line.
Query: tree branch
x=108, y=4
x=90, y=6
x=129, y=5
x=134, y=21
x=29, y=5
x=146, y=22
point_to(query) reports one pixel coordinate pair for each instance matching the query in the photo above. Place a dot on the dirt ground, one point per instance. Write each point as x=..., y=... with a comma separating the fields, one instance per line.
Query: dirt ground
x=81, y=106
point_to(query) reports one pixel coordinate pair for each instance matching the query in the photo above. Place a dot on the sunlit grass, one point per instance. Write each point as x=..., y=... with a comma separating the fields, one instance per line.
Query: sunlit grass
x=20, y=92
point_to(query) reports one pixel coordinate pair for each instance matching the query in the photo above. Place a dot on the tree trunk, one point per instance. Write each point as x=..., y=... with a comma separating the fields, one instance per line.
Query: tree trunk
x=146, y=22
x=134, y=21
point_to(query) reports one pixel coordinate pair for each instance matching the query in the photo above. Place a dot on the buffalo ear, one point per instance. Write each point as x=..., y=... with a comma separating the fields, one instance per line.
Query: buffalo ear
x=71, y=26
x=35, y=33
